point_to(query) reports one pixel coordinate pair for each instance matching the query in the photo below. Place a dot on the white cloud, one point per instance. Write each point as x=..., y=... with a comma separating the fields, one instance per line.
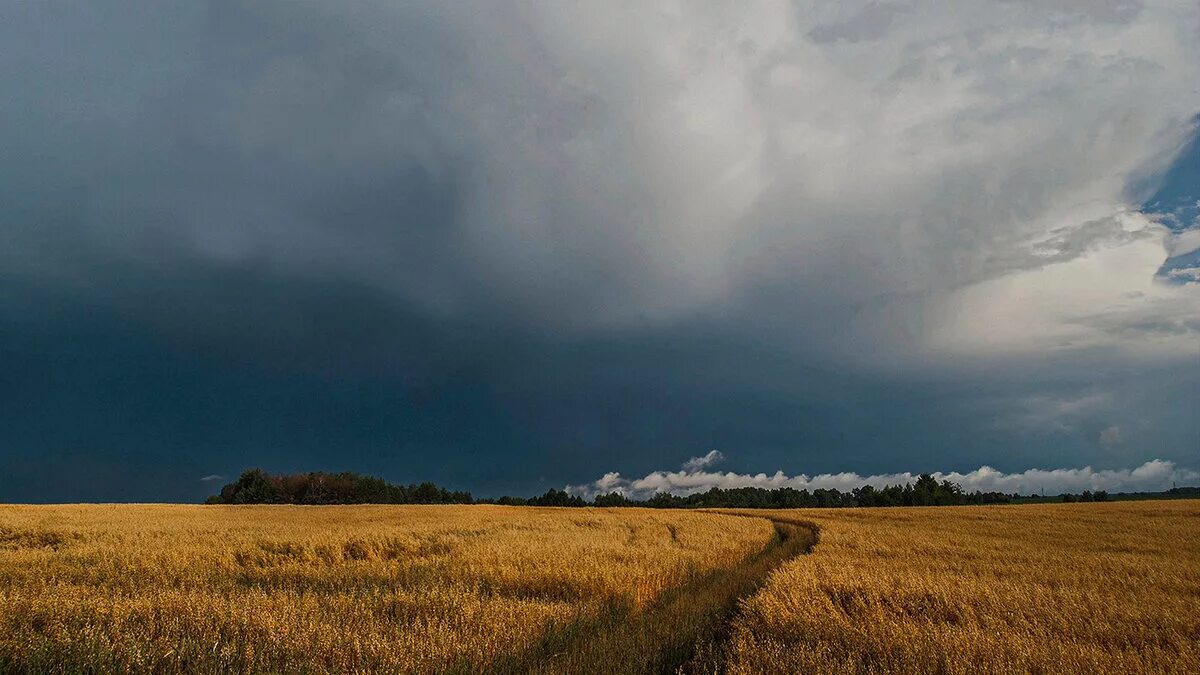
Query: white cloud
x=1151, y=476
x=1182, y=243
x=1108, y=298
x=212, y=478
x=708, y=459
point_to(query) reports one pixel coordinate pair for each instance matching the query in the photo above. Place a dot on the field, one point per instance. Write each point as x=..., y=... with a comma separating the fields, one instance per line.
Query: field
x=356, y=588
x=1048, y=588
x=1040, y=588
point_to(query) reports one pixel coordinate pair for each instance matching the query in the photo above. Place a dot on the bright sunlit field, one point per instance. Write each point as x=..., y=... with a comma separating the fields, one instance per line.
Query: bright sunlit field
x=1098, y=587
x=347, y=588
x=1081, y=588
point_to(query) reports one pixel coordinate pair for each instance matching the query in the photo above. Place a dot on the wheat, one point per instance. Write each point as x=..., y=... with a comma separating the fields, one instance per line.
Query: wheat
x=1098, y=588
x=348, y=589
x=1054, y=588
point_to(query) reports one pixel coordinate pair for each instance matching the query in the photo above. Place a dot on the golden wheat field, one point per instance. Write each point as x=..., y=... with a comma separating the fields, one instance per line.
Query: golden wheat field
x=1081, y=588
x=1052, y=588
x=351, y=588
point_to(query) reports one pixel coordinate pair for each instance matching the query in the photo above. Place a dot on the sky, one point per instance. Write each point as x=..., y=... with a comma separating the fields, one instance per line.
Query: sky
x=508, y=246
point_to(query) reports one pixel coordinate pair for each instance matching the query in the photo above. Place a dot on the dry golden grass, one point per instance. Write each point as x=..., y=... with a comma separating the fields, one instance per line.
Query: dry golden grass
x=347, y=589
x=1053, y=588
x=680, y=632
x=1095, y=588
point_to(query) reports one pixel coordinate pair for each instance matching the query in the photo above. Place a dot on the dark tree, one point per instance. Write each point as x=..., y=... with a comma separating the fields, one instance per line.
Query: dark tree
x=258, y=487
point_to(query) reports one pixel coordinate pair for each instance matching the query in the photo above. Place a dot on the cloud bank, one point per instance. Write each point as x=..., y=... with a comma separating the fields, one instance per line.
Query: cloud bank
x=597, y=166
x=576, y=235
x=1153, y=475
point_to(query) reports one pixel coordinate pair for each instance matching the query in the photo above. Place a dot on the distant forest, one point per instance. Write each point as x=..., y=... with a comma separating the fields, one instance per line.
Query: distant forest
x=258, y=487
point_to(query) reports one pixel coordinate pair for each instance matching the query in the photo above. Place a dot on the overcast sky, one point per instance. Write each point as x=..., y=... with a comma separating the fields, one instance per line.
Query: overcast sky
x=508, y=246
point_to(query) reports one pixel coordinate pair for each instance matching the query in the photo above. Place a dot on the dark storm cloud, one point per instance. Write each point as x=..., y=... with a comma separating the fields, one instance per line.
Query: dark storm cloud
x=248, y=137
x=507, y=247
x=541, y=165
x=406, y=148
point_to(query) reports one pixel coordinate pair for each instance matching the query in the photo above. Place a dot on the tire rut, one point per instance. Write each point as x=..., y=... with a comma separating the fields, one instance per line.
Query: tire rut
x=682, y=631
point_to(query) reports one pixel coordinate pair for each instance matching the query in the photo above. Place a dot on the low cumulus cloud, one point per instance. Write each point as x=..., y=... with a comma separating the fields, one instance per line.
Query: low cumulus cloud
x=1153, y=475
x=708, y=459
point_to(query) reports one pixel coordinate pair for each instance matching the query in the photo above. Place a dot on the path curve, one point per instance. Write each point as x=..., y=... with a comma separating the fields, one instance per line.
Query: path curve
x=682, y=631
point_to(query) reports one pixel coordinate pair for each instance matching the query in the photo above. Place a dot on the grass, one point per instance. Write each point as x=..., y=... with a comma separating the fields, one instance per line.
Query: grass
x=680, y=630
x=348, y=589
x=1098, y=588
x=1093, y=587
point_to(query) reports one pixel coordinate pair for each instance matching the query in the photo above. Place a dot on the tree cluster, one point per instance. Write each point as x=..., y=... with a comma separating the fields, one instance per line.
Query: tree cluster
x=551, y=498
x=258, y=487
x=926, y=492
x=1184, y=492
x=1086, y=496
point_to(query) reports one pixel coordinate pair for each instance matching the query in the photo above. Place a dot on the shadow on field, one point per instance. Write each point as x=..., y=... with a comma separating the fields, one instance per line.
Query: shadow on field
x=682, y=631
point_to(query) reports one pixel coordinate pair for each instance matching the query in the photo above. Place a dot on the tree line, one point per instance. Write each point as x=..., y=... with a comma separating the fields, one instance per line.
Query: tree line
x=927, y=491
x=258, y=487
x=1086, y=496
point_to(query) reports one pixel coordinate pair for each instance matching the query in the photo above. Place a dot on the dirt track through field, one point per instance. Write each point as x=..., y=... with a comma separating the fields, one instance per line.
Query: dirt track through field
x=682, y=631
